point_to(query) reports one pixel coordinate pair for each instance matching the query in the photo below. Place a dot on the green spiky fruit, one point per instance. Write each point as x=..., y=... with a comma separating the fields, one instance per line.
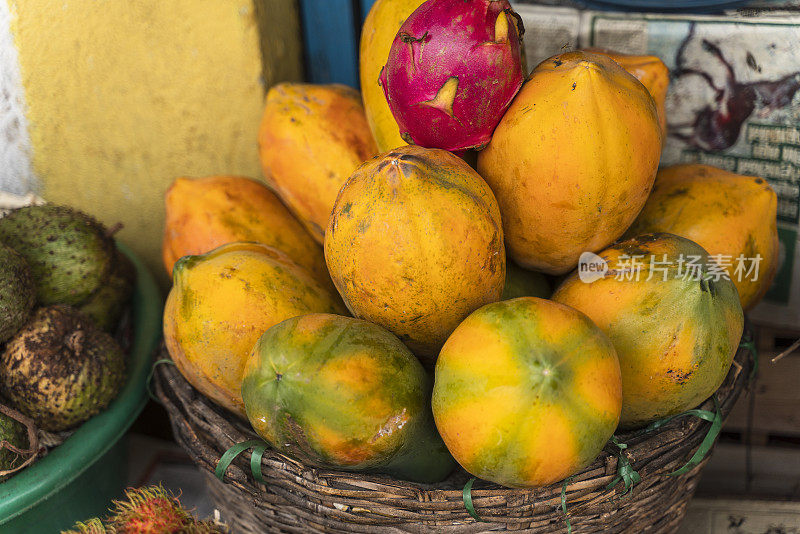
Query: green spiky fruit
x=17, y=293
x=60, y=369
x=12, y=434
x=105, y=307
x=69, y=253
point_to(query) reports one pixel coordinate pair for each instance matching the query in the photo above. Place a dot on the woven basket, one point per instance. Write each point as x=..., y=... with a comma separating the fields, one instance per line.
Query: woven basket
x=301, y=499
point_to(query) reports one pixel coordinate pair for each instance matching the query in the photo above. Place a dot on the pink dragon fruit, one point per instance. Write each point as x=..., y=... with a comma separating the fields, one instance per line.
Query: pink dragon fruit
x=453, y=70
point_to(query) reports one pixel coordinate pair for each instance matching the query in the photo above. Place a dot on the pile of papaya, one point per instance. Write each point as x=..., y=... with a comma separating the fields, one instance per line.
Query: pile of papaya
x=463, y=264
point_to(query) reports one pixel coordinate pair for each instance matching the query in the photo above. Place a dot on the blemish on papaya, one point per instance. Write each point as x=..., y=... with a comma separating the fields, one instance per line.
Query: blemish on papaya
x=411, y=158
x=678, y=376
x=678, y=192
x=633, y=249
x=395, y=422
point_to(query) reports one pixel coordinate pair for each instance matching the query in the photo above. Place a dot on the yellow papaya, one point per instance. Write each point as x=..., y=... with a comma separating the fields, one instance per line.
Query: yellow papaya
x=342, y=393
x=415, y=244
x=730, y=215
x=205, y=213
x=380, y=27
x=573, y=160
x=653, y=74
x=527, y=392
x=673, y=316
x=220, y=304
x=312, y=137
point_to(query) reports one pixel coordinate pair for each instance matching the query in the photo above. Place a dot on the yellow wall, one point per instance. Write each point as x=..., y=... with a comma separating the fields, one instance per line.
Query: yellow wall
x=123, y=96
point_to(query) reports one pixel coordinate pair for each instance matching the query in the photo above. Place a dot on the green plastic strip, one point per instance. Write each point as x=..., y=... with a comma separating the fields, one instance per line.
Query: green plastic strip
x=706, y=444
x=564, y=502
x=467, y=495
x=152, y=372
x=231, y=454
x=625, y=470
x=630, y=477
x=255, y=462
x=750, y=345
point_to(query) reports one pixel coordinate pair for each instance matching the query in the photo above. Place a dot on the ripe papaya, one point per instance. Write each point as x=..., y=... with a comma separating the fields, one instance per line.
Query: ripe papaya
x=205, y=213
x=311, y=139
x=343, y=393
x=653, y=74
x=415, y=244
x=730, y=215
x=573, y=160
x=527, y=392
x=220, y=304
x=380, y=27
x=673, y=316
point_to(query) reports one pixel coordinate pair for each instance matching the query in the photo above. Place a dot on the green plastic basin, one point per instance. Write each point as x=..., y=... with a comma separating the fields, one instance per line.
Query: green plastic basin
x=78, y=479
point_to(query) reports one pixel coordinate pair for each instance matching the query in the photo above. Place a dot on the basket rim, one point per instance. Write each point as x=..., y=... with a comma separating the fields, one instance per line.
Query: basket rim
x=206, y=431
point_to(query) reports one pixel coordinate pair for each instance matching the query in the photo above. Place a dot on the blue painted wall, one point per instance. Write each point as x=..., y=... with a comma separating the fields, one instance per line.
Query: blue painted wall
x=365, y=6
x=330, y=37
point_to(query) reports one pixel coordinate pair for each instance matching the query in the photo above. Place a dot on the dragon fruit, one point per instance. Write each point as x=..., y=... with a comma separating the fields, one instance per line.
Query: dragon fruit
x=453, y=70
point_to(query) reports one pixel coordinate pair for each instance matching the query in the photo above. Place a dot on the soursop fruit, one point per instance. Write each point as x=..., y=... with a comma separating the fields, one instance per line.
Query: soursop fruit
x=105, y=307
x=17, y=292
x=60, y=369
x=69, y=253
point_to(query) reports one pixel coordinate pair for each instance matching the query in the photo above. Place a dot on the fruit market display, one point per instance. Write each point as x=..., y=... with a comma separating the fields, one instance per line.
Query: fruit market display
x=444, y=270
x=63, y=289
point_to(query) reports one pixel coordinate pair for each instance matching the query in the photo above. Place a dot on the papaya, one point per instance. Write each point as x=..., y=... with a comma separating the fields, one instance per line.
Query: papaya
x=524, y=283
x=673, y=316
x=311, y=138
x=380, y=27
x=415, y=244
x=220, y=304
x=526, y=392
x=730, y=215
x=572, y=161
x=653, y=74
x=342, y=393
x=205, y=213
